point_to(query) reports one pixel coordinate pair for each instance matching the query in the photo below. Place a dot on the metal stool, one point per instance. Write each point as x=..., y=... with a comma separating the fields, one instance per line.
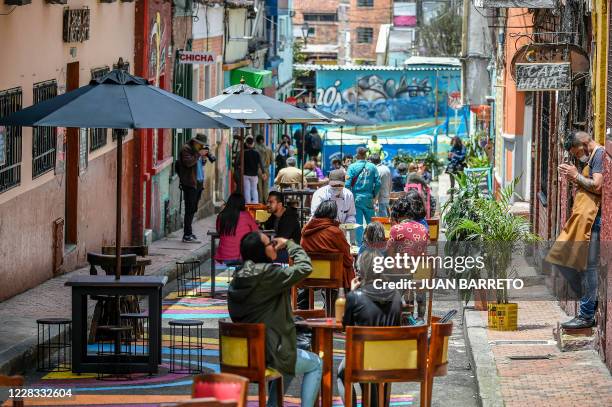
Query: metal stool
x=189, y=278
x=115, y=343
x=186, y=349
x=139, y=325
x=54, y=345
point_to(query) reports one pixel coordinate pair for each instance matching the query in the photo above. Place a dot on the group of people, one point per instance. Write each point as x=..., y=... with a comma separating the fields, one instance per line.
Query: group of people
x=259, y=291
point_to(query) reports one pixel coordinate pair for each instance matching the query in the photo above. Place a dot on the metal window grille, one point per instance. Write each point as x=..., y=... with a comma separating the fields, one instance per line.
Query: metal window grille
x=97, y=137
x=183, y=86
x=10, y=173
x=544, y=145
x=124, y=133
x=365, y=3
x=44, y=139
x=365, y=35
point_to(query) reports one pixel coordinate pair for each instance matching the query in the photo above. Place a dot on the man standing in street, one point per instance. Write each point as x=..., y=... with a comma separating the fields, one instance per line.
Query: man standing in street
x=266, y=156
x=384, y=195
x=190, y=170
x=576, y=251
x=335, y=191
x=374, y=147
x=364, y=182
x=252, y=166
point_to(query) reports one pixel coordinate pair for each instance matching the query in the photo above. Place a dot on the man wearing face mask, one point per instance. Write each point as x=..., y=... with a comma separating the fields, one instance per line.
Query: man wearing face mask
x=576, y=251
x=336, y=191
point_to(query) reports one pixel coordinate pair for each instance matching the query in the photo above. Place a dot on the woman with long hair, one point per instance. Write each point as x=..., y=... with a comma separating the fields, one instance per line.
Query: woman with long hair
x=233, y=222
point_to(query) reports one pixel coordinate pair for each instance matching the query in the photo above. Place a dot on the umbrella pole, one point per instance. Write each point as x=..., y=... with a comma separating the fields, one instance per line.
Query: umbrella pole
x=341, y=143
x=118, y=213
x=241, y=178
x=303, y=152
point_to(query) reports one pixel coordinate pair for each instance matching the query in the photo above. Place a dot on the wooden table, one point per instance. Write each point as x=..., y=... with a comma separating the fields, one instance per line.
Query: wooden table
x=85, y=286
x=323, y=345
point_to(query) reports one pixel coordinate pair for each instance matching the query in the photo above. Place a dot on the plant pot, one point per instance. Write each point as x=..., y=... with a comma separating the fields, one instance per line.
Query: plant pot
x=480, y=300
x=503, y=317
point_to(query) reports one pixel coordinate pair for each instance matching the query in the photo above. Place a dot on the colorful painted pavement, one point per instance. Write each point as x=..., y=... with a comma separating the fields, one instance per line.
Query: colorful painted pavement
x=165, y=387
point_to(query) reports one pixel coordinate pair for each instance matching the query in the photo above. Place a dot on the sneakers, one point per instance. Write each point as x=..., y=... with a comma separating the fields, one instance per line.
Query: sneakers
x=579, y=323
x=191, y=239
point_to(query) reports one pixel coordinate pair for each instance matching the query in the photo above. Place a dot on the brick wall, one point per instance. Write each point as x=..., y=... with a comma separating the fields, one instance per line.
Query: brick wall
x=325, y=32
x=371, y=17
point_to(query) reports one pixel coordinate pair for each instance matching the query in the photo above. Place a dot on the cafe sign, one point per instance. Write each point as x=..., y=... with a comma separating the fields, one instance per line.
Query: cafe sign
x=539, y=77
x=196, y=57
x=548, y=67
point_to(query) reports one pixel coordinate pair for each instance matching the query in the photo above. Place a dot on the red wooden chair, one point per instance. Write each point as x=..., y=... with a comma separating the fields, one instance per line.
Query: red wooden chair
x=221, y=386
x=13, y=382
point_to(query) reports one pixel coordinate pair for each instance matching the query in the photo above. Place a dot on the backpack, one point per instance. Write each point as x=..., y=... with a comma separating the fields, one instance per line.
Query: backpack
x=315, y=141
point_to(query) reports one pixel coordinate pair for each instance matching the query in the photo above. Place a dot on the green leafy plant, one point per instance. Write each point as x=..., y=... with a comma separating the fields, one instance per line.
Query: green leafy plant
x=434, y=163
x=476, y=156
x=496, y=232
x=402, y=157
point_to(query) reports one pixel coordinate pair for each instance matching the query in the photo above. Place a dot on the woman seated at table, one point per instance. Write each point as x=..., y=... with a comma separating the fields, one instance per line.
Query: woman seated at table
x=322, y=234
x=369, y=306
x=233, y=223
x=409, y=235
x=374, y=238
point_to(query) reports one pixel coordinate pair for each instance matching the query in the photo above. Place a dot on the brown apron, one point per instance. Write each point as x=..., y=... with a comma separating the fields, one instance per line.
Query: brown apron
x=571, y=249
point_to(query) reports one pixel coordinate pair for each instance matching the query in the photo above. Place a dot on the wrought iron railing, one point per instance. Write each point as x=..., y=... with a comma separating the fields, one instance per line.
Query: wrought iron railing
x=44, y=139
x=10, y=170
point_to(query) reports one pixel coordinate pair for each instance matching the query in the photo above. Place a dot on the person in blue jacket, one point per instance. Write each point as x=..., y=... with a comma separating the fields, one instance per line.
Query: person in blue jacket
x=456, y=159
x=364, y=182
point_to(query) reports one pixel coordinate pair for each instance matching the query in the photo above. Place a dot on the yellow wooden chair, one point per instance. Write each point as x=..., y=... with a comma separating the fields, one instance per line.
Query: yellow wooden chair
x=437, y=358
x=434, y=229
x=379, y=355
x=242, y=351
x=261, y=215
x=327, y=269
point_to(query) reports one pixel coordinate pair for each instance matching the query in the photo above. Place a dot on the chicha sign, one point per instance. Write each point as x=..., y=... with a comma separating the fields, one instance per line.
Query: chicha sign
x=543, y=76
x=195, y=57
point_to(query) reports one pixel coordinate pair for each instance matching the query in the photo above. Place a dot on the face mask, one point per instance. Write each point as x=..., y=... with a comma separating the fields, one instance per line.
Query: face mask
x=338, y=191
x=584, y=159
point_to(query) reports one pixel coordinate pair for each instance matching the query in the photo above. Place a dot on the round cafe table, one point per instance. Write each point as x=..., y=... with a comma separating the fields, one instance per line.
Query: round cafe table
x=323, y=345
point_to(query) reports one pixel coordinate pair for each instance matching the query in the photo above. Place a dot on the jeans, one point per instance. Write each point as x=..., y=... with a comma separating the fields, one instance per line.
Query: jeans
x=373, y=393
x=364, y=213
x=383, y=209
x=311, y=366
x=250, y=189
x=585, y=283
x=191, y=196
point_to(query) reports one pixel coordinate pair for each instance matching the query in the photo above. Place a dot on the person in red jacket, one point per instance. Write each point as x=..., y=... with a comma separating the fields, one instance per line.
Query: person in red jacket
x=322, y=234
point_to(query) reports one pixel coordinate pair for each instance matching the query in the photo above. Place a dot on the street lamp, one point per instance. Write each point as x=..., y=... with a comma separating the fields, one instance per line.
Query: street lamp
x=305, y=32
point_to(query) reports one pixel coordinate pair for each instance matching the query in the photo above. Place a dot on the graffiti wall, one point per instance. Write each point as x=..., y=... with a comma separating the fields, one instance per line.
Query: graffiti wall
x=389, y=95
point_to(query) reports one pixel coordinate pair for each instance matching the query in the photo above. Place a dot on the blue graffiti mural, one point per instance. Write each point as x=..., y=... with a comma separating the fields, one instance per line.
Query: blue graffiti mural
x=387, y=95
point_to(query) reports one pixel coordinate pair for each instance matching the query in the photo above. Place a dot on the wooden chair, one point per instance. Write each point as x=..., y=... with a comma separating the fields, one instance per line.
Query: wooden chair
x=13, y=382
x=222, y=386
x=327, y=269
x=253, y=208
x=242, y=352
x=140, y=251
x=105, y=311
x=309, y=313
x=261, y=215
x=384, y=355
x=437, y=357
x=202, y=402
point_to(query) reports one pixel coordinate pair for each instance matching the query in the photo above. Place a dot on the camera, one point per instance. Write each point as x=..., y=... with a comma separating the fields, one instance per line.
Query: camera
x=211, y=156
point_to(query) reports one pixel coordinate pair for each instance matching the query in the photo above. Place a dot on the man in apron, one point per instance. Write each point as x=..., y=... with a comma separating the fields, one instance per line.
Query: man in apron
x=576, y=251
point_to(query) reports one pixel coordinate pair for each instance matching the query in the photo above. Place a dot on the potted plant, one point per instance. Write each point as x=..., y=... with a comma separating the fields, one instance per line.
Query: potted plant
x=498, y=234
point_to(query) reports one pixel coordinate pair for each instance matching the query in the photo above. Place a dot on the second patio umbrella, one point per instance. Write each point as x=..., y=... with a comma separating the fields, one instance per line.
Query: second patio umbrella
x=120, y=101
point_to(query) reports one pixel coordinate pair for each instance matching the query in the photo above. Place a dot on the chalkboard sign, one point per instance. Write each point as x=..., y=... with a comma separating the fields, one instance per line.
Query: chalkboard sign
x=2, y=145
x=83, y=149
x=537, y=77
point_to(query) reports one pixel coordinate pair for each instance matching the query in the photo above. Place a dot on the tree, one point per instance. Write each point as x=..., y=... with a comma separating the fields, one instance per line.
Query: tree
x=441, y=37
x=299, y=58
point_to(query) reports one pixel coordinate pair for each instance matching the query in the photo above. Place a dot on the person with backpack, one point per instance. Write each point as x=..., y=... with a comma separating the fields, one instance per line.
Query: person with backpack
x=190, y=169
x=313, y=144
x=364, y=182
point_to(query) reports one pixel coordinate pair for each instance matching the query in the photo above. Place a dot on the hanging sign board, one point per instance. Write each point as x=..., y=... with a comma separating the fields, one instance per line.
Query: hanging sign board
x=83, y=149
x=539, y=77
x=196, y=57
x=515, y=3
x=2, y=145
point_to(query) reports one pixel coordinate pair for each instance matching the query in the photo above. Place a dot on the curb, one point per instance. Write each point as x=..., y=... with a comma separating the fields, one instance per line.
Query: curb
x=482, y=360
x=22, y=356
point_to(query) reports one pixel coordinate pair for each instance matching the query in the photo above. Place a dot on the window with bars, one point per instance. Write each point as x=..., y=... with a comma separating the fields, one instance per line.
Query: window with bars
x=97, y=137
x=365, y=3
x=44, y=139
x=321, y=17
x=365, y=35
x=544, y=146
x=10, y=158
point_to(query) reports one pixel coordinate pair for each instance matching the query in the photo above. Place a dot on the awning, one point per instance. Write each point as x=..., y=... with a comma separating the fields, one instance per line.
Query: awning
x=256, y=78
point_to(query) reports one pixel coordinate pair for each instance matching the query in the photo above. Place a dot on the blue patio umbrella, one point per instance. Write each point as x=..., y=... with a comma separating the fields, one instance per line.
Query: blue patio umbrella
x=119, y=100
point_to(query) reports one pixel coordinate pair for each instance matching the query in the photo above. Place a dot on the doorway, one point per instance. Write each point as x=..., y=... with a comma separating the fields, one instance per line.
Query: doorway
x=72, y=165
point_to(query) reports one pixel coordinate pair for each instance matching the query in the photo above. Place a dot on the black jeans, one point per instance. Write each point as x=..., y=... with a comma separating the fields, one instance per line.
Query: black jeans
x=191, y=197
